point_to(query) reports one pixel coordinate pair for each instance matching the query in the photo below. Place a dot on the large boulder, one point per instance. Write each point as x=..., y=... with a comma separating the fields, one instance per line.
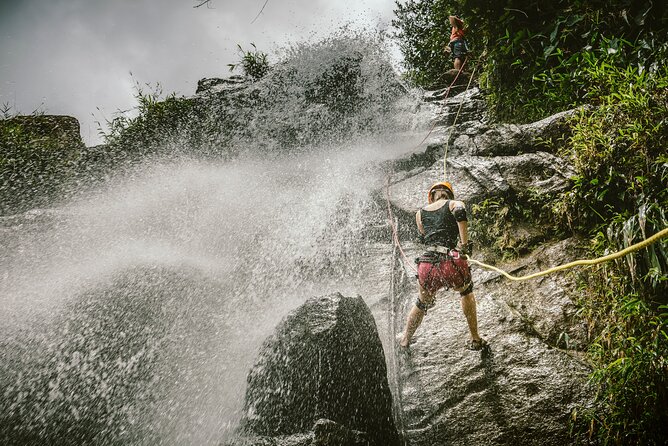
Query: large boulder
x=37, y=156
x=60, y=131
x=325, y=361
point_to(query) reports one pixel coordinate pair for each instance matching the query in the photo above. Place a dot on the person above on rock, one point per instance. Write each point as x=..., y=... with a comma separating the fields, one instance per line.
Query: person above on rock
x=458, y=45
x=441, y=224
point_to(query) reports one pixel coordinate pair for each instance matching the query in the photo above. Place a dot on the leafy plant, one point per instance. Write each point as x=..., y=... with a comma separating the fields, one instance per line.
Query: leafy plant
x=253, y=63
x=510, y=226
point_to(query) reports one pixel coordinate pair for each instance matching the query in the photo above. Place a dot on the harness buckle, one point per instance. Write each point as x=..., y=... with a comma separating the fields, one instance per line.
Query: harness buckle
x=453, y=253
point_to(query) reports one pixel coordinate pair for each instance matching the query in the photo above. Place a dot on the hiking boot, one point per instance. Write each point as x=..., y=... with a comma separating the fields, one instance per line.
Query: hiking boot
x=477, y=344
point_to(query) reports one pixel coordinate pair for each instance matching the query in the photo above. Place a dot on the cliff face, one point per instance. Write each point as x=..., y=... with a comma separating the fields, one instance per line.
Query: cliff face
x=523, y=388
x=323, y=211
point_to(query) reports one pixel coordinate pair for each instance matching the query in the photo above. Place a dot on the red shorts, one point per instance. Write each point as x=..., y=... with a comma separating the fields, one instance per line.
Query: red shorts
x=451, y=272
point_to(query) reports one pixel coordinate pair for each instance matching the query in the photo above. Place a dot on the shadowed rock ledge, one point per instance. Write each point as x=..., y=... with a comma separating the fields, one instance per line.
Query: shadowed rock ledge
x=320, y=379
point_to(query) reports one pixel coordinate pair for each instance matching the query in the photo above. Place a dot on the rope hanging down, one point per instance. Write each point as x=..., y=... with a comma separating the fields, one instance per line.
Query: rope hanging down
x=452, y=127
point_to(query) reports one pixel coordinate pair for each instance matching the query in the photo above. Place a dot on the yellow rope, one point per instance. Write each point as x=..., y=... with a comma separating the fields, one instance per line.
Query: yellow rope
x=452, y=127
x=653, y=239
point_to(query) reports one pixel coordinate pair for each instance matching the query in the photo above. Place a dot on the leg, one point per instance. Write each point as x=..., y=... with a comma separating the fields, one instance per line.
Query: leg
x=470, y=311
x=415, y=316
x=458, y=63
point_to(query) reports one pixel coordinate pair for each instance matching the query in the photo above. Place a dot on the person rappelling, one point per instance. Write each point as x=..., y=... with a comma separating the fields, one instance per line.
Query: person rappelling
x=457, y=46
x=443, y=226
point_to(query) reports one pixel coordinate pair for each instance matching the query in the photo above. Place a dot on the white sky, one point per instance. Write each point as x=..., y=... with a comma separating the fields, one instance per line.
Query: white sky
x=72, y=56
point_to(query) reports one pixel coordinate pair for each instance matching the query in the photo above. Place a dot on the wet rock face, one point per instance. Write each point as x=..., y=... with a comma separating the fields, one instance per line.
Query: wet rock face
x=485, y=160
x=62, y=129
x=476, y=178
x=513, y=139
x=217, y=85
x=519, y=391
x=325, y=361
x=523, y=388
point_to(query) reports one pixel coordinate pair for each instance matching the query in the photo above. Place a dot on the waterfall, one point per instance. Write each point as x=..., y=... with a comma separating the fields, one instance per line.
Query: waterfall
x=132, y=313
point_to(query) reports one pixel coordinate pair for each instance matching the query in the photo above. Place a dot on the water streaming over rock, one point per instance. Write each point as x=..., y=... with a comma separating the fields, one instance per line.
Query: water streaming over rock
x=132, y=313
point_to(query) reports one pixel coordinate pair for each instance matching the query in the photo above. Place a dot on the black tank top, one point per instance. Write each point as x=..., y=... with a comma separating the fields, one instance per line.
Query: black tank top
x=440, y=227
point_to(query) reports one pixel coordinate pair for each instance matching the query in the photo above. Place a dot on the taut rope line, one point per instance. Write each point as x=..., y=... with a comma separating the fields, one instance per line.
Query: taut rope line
x=638, y=246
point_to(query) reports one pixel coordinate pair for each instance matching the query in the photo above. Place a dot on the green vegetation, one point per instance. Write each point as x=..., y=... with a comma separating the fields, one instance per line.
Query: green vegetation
x=511, y=226
x=533, y=54
x=37, y=157
x=538, y=58
x=620, y=198
x=253, y=63
x=157, y=124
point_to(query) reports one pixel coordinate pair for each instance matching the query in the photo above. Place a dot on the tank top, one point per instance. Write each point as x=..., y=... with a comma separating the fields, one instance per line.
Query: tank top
x=440, y=227
x=456, y=33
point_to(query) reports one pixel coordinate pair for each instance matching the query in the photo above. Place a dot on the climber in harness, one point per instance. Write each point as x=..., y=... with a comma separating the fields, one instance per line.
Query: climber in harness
x=458, y=46
x=441, y=223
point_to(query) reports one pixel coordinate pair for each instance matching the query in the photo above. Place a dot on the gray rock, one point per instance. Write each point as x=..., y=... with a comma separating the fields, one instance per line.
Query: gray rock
x=280, y=440
x=465, y=106
x=543, y=307
x=513, y=139
x=217, y=85
x=475, y=178
x=324, y=361
x=64, y=130
x=330, y=433
x=503, y=139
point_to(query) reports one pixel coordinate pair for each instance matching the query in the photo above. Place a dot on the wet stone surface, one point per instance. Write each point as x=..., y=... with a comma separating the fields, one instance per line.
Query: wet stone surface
x=522, y=388
x=325, y=360
x=519, y=390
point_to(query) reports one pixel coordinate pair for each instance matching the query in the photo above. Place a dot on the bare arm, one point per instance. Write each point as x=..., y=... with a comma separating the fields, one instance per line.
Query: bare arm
x=459, y=211
x=463, y=232
x=418, y=221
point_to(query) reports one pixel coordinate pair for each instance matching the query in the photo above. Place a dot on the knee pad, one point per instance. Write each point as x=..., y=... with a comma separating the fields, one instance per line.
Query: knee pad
x=423, y=306
x=467, y=290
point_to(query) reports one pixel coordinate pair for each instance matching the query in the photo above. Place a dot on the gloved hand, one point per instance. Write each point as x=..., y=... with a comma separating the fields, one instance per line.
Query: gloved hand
x=466, y=248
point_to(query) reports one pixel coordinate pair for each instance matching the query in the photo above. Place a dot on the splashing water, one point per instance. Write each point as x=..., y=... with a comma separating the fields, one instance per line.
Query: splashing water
x=133, y=314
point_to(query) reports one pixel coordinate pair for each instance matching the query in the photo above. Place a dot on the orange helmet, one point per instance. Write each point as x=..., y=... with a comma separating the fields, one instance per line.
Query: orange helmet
x=441, y=185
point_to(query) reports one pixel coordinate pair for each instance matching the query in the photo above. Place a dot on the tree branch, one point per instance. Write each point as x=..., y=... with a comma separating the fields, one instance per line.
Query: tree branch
x=258, y=14
x=202, y=3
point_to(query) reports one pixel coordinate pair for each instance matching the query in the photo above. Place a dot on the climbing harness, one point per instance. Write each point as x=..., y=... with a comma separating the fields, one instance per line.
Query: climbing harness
x=436, y=256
